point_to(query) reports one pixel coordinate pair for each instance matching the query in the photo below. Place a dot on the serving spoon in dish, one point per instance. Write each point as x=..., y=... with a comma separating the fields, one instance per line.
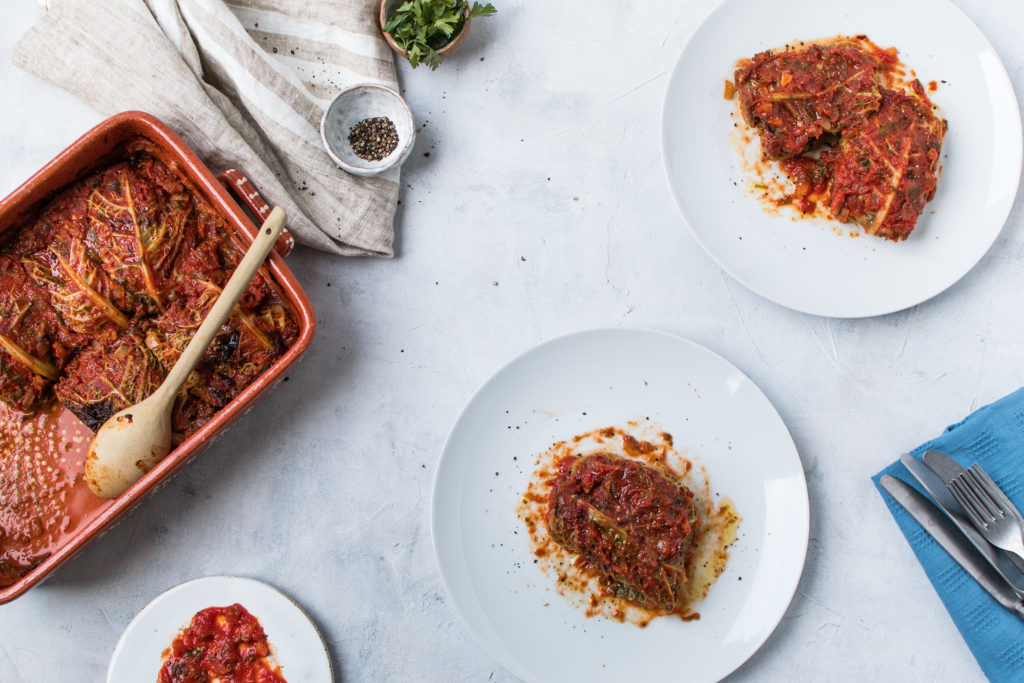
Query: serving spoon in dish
x=135, y=439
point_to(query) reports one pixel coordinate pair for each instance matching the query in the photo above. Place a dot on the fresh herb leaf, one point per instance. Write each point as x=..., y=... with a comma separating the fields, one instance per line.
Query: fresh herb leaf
x=445, y=26
x=433, y=59
x=422, y=27
x=482, y=10
x=414, y=55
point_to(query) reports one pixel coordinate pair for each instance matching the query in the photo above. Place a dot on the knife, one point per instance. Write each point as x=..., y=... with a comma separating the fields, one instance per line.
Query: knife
x=929, y=480
x=947, y=469
x=953, y=542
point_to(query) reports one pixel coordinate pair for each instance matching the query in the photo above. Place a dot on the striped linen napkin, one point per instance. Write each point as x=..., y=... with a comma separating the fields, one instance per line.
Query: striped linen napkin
x=245, y=83
x=994, y=437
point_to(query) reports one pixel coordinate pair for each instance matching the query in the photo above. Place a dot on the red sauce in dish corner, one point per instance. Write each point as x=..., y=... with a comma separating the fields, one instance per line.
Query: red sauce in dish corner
x=44, y=500
x=225, y=644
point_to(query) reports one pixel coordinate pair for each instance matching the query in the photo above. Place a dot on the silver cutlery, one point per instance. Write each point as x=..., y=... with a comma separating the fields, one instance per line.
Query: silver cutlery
x=953, y=542
x=994, y=515
x=947, y=470
x=936, y=488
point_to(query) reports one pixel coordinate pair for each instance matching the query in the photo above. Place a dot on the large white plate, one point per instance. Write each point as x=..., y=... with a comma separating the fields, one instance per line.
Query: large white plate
x=582, y=382
x=294, y=639
x=805, y=265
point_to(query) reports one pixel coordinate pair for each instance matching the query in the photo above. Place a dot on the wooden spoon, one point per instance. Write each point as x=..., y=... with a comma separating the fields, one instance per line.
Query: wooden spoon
x=135, y=439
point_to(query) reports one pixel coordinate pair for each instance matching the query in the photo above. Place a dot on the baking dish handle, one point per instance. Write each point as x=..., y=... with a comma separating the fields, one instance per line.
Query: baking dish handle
x=245, y=192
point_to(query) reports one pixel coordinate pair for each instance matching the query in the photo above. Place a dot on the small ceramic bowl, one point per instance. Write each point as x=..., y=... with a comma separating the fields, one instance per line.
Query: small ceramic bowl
x=359, y=102
x=389, y=6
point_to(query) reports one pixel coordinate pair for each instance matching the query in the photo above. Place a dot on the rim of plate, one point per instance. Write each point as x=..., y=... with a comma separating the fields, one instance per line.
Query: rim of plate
x=804, y=521
x=231, y=577
x=1018, y=146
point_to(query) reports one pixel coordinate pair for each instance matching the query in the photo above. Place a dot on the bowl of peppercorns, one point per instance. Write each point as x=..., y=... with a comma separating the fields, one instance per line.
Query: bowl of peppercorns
x=368, y=129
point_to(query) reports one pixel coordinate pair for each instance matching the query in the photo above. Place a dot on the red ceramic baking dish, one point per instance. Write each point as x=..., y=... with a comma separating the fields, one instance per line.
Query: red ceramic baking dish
x=59, y=439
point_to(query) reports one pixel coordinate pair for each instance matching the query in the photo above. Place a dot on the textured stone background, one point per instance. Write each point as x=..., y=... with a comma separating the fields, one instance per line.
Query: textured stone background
x=544, y=175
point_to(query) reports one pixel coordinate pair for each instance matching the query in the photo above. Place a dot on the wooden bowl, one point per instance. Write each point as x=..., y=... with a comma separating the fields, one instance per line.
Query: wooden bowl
x=450, y=48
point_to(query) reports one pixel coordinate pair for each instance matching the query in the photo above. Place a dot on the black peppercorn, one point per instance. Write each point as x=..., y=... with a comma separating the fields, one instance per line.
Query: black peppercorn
x=373, y=139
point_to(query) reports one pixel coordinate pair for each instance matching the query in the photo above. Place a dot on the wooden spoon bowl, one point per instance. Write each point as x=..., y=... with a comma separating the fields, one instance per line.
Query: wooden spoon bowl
x=135, y=439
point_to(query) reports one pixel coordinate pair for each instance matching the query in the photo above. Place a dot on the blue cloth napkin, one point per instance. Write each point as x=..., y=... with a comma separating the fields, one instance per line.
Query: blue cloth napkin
x=994, y=437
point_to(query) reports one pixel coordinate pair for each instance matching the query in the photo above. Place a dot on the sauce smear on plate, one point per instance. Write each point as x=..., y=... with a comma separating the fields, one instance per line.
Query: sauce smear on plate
x=628, y=526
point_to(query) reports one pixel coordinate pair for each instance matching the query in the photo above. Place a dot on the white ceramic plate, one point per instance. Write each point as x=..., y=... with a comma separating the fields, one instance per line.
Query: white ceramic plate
x=804, y=264
x=294, y=640
x=582, y=382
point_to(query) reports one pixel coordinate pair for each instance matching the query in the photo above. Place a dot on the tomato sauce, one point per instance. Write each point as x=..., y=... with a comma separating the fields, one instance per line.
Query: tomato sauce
x=886, y=171
x=224, y=644
x=853, y=130
x=101, y=289
x=44, y=499
x=810, y=180
x=104, y=287
x=627, y=520
x=610, y=515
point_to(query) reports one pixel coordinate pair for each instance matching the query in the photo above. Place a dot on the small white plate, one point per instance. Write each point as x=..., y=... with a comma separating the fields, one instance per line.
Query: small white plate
x=294, y=640
x=803, y=264
x=572, y=385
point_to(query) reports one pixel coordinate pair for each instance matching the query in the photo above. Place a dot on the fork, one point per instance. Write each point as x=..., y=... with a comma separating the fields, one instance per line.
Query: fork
x=989, y=509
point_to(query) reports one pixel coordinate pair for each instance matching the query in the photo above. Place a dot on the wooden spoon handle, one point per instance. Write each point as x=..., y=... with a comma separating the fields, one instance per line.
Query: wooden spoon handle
x=229, y=296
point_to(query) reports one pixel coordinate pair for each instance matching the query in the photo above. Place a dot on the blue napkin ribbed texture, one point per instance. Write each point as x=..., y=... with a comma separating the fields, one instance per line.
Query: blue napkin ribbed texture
x=994, y=437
